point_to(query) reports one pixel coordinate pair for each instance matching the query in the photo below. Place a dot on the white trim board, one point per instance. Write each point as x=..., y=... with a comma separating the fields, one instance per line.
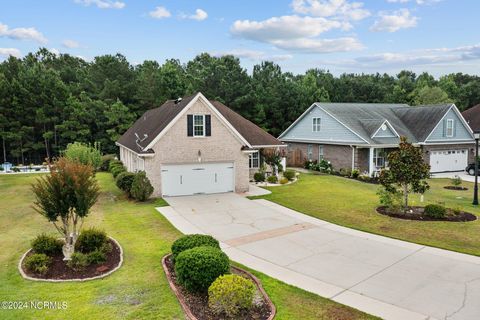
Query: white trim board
x=389, y=125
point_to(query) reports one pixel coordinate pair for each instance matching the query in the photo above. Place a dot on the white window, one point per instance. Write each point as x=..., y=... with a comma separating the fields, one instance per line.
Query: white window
x=199, y=125
x=320, y=152
x=316, y=124
x=310, y=152
x=449, y=131
x=254, y=160
x=379, y=158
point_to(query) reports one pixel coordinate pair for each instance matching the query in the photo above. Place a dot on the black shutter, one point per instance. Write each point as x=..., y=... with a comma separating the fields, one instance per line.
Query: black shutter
x=190, y=125
x=208, y=125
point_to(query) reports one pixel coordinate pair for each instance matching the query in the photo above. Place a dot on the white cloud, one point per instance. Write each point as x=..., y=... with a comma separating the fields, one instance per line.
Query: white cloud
x=392, y=22
x=54, y=51
x=331, y=8
x=295, y=33
x=70, y=44
x=199, y=15
x=160, y=13
x=103, y=4
x=420, y=2
x=253, y=55
x=5, y=52
x=22, y=33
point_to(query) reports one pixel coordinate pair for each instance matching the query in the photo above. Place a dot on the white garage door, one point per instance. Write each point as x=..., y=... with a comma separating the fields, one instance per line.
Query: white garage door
x=448, y=160
x=188, y=179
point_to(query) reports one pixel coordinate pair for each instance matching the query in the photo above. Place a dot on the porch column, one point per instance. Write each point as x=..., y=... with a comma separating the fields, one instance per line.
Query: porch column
x=371, y=165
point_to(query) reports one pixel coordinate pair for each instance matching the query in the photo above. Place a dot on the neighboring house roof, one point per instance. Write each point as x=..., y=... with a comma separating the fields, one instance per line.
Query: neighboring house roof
x=153, y=122
x=472, y=116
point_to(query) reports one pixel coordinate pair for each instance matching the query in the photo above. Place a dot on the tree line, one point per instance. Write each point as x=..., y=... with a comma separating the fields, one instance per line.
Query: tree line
x=48, y=101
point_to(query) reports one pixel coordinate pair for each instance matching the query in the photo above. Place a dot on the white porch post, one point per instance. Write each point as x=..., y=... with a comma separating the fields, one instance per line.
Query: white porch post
x=371, y=164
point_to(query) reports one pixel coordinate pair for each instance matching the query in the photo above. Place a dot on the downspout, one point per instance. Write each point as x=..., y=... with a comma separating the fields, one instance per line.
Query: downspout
x=353, y=157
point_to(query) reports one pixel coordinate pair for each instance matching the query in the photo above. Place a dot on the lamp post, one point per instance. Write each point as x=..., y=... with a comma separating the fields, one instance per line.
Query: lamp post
x=475, y=189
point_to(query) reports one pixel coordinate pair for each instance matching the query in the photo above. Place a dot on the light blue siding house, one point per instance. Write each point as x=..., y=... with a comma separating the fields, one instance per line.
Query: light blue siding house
x=360, y=135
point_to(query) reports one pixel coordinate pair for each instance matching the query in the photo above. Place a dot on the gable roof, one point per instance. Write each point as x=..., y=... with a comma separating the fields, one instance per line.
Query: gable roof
x=472, y=116
x=156, y=121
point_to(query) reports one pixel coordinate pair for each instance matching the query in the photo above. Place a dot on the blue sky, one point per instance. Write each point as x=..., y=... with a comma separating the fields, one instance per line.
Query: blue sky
x=438, y=36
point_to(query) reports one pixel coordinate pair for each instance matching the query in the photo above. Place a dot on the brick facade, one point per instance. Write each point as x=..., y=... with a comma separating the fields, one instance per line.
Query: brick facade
x=340, y=156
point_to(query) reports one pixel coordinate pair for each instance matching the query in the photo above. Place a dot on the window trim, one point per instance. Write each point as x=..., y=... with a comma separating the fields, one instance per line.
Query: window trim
x=310, y=152
x=376, y=157
x=251, y=160
x=452, y=121
x=321, y=155
x=316, y=124
x=197, y=125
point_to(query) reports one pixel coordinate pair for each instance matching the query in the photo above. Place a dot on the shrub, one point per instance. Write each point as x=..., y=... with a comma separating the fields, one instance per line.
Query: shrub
x=96, y=257
x=191, y=241
x=84, y=154
x=289, y=174
x=435, y=211
x=355, y=174
x=47, y=244
x=325, y=166
x=79, y=261
x=90, y=240
x=106, y=162
x=38, y=263
x=259, y=177
x=197, y=268
x=272, y=179
x=124, y=181
x=116, y=170
x=141, y=188
x=456, y=181
x=391, y=200
x=114, y=163
x=283, y=180
x=230, y=294
x=15, y=169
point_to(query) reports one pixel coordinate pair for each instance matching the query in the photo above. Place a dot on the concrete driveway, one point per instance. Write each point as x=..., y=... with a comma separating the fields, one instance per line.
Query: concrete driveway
x=462, y=174
x=389, y=278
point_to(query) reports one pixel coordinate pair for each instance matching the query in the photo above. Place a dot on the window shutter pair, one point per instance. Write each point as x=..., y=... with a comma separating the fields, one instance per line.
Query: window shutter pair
x=208, y=125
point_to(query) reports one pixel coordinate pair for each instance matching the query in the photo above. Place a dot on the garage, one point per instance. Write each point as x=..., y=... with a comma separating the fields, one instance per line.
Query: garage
x=197, y=178
x=448, y=160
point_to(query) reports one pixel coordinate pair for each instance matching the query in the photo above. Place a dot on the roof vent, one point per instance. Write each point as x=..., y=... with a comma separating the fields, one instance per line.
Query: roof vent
x=178, y=100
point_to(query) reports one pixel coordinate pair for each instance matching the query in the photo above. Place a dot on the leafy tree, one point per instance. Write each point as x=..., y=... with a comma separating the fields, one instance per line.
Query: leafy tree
x=85, y=154
x=431, y=95
x=65, y=197
x=407, y=171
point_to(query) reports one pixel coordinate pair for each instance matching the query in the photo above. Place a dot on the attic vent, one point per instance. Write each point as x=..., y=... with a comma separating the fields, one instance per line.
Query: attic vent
x=178, y=100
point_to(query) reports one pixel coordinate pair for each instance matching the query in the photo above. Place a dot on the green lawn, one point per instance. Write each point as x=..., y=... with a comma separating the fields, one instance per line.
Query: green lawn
x=352, y=204
x=139, y=289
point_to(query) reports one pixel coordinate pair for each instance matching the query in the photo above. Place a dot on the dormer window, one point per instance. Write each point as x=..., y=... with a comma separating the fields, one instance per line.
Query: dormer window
x=316, y=124
x=449, y=129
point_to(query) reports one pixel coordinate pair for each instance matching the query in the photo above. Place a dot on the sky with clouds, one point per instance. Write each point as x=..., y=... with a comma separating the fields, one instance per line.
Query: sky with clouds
x=438, y=36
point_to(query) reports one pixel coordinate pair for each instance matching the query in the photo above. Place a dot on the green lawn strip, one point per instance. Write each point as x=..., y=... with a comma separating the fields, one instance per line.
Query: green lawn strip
x=139, y=289
x=352, y=204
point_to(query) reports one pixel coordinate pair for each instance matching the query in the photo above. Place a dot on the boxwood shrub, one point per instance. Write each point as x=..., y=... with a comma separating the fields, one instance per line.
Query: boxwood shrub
x=435, y=211
x=124, y=181
x=289, y=174
x=191, y=241
x=38, y=263
x=231, y=294
x=141, y=188
x=272, y=179
x=79, y=261
x=90, y=240
x=197, y=268
x=47, y=244
x=259, y=177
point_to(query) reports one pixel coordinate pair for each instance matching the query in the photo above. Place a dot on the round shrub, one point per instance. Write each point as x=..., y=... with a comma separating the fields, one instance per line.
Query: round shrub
x=124, y=181
x=259, y=177
x=90, y=240
x=435, y=211
x=272, y=179
x=96, y=257
x=289, y=174
x=141, y=188
x=84, y=154
x=114, y=163
x=79, y=261
x=230, y=294
x=197, y=268
x=38, y=263
x=47, y=244
x=191, y=241
x=116, y=170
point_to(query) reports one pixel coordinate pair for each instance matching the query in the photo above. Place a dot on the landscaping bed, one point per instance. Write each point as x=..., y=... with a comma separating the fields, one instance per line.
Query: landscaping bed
x=455, y=188
x=196, y=306
x=417, y=213
x=59, y=270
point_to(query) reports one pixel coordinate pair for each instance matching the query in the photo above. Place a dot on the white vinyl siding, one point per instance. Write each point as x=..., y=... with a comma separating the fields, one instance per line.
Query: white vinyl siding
x=199, y=125
x=254, y=160
x=131, y=160
x=316, y=124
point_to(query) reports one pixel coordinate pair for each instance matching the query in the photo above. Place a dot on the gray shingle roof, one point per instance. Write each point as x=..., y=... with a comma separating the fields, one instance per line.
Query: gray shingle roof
x=415, y=123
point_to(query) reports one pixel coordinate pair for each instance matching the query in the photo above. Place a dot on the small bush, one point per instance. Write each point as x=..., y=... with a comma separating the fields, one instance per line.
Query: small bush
x=259, y=177
x=391, y=200
x=345, y=172
x=230, y=294
x=96, y=257
x=456, y=181
x=79, y=261
x=197, y=268
x=283, y=180
x=124, y=181
x=289, y=174
x=114, y=163
x=272, y=179
x=435, y=211
x=355, y=174
x=47, y=244
x=38, y=263
x=90, y=240
x=191, y=241
x=141, y=188
x=116, y=170
x=106, y=162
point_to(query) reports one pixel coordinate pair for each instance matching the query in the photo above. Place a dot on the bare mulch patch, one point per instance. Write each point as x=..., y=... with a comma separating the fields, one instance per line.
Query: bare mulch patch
x=456, y=188
x=58, y=269
x=417, y=213
x=195, y=305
